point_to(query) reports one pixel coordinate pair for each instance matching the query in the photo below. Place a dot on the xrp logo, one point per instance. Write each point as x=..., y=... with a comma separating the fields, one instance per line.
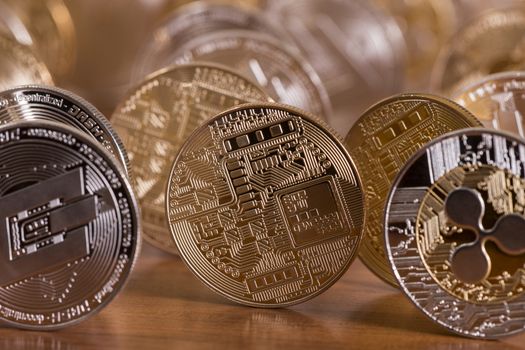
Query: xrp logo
x=471, y=263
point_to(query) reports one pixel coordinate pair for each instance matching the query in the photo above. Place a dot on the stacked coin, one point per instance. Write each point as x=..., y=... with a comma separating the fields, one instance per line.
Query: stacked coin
x=69, y=221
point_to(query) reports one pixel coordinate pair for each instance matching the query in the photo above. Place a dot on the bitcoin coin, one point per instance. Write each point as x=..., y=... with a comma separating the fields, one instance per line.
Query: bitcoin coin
x=498, y=101
x=454, y=231
x=47, y=27
x=358, y=67
x=265, y=205
x=494, y=42
x=196, y=19
x=381, y=142
x=18, y=65
x=280, y=70
x=69, y=230
x=54, y=104
x=156, y=118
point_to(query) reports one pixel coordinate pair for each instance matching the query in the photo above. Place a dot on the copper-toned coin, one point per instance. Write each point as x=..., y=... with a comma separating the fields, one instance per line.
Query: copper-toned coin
x=156, y=118
x=357, y=50
x=69, y=229
x=281, y=71
x=381, y=142
x=455, y=232
x=18, y=65
x=265, y=205
x=498, y=101
x=492, y=43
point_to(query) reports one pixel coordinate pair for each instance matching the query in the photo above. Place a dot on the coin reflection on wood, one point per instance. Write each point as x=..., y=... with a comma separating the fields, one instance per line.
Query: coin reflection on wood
x=455, y=232
x=156, y=118
x=494, y=42
x=69, y=230
x=381, y=141
x=54, y=104
x=19, y=65
x=265, y=205
x=498, y=101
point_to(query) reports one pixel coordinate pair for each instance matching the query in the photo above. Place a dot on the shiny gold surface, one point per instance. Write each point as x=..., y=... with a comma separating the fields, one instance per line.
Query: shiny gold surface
x=494, y=42
x=158, y=116
x=51, y=30
x=19, y=66
x=265, y=205
x=439, y=239
x=381, y=142
x=498, y=101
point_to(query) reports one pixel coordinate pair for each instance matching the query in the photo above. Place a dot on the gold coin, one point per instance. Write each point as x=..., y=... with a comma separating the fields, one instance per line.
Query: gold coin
x=498, y=101
x=494, y=42
x=265, y=205
x=19, y=66
x=51, y=30
x=156, y=118
x=380, y=142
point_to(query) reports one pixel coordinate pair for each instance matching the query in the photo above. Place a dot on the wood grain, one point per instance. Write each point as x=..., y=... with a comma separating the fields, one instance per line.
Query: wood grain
x=165, y=306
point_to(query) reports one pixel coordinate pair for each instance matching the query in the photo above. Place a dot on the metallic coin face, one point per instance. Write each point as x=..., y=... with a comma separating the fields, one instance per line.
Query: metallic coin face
x=265, y=205
x=54, y=104
x=454, y=230
x=381, y=141
x=18, y=65
x=196, y=19
x=69, y=229
x=48, y=28
x=159, y=115
x=498, y=101
x=358, y=67
x=494, y=42
x=281, y=71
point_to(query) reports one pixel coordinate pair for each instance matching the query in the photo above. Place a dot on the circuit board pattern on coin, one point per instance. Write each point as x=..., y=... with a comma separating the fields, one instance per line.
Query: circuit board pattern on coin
x=265, y=205
x=381, y=141
x=455, y=232
x=159, y=115
x=498, y=101
x=69, y=230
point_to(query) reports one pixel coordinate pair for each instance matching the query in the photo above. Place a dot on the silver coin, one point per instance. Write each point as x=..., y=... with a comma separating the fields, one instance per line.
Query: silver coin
x=358, y=51
x=54, y=104
x=69, y=229
x=196, y=19
x=455, y=232
x=280, y=70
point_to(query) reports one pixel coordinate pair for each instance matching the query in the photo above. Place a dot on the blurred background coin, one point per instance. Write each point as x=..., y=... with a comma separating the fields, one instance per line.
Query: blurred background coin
x=265, y=205
x=69, y=229
x=156, y=118
x=19, y=65
x=54, y=104
x=498, y=101
x=380, y=143
x=455, y=232
x=357, y=50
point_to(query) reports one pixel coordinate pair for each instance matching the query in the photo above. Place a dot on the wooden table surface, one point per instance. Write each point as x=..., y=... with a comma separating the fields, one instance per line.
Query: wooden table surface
x=165, y=306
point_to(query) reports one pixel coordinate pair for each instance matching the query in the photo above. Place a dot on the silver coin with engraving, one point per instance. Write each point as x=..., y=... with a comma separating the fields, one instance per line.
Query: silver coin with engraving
x=357, y=50
x=455, y=232
x=54, y=104
x=280, y=70
x=498, y=101
x=69, y=229
x=196, y=19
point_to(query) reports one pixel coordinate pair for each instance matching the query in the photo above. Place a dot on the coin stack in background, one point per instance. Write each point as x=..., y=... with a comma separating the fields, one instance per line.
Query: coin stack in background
x=267, y=143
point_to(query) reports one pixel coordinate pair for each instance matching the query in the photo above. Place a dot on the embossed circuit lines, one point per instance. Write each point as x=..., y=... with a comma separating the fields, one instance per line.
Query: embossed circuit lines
x=265, y=205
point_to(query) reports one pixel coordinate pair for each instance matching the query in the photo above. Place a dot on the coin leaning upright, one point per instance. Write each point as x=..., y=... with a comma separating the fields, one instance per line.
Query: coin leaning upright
x=265, y=205
x=69, y=225
x=455, y=232
x=35, y=102
x=380, y=143
x=159, y=114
